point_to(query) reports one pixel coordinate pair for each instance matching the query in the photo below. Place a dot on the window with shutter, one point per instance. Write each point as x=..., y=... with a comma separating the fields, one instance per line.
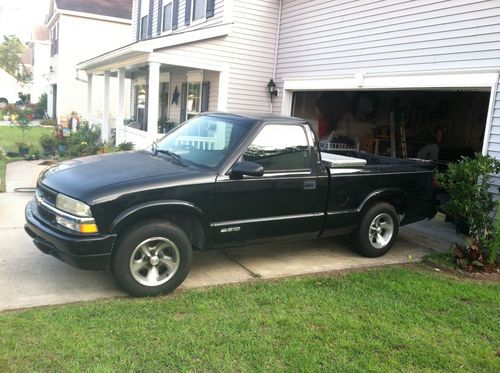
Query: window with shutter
x=159, y=20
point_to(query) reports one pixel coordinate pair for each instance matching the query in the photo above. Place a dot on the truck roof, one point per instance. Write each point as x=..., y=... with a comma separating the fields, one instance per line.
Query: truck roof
x=258, y=117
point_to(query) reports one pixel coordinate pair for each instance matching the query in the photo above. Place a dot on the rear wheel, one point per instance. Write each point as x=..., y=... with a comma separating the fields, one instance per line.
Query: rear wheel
x=153, y=258
x=378, y=230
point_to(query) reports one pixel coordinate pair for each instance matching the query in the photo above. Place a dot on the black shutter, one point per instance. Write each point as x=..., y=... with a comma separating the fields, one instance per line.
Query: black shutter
x=138, y=24
x=187, y=14
x=205, y=95
x=184, y=92
x=160, y=17
x=210, y=8
x=150, y=18
x=175, y=14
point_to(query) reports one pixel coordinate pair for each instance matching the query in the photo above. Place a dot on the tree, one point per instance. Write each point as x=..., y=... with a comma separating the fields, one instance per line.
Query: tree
x=10, y=58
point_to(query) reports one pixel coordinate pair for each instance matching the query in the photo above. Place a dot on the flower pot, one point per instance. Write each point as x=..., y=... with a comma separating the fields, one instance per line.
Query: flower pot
x=461, y=225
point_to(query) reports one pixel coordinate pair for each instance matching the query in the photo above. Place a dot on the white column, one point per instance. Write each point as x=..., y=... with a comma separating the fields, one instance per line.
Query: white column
x=153, y=97
x=105, y=111
x=120, y=104
x=89, y=98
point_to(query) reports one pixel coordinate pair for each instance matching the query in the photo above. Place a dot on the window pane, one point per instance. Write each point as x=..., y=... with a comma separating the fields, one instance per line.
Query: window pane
x=199, y=9
x=144, y=27
x=194, y=97
x=167, y=17
x=280, y=148
x=206, y=141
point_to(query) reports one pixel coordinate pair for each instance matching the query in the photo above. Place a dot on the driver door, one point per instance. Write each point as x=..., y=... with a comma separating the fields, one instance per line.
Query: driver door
x=285, y=201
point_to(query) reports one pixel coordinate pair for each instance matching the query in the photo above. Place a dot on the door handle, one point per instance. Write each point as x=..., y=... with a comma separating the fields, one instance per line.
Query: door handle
x=309, y=184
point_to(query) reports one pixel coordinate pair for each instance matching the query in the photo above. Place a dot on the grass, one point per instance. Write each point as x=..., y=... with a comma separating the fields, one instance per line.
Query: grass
x=10, y=135
x=391, y=319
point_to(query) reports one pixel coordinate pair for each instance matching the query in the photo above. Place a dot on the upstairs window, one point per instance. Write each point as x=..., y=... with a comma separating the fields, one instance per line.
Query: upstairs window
x=144, y=27
x=199, y=9
x=167, y=17
x=54, y=40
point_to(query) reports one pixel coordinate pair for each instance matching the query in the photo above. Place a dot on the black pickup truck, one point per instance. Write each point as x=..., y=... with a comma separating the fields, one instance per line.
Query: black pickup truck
x=219, y=180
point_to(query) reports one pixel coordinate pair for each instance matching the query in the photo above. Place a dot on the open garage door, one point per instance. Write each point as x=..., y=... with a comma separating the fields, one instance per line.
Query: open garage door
x=440, y=125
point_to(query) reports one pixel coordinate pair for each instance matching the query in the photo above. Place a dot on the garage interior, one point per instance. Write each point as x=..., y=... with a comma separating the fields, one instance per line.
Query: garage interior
x=437, y=125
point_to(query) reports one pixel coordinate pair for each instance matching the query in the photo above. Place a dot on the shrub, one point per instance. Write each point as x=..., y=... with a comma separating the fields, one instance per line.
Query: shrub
x=49, y=142
x=125, y=146
x=48, y=122
x=468, y=182
x=41, y=106
x=86, y=141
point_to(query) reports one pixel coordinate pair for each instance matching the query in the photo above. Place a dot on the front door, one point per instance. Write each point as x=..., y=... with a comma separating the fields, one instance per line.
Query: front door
x=285, y=201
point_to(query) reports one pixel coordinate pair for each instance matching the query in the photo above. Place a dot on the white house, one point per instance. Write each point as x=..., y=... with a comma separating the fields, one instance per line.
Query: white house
x=80, y=30
x=9, y=88
x=40, y=64
x=426, y=70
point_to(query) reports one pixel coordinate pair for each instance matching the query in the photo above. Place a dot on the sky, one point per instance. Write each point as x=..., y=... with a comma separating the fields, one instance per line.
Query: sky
x=18, y=17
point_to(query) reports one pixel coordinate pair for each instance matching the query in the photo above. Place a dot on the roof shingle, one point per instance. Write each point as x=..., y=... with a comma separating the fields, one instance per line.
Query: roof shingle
x=110, y=8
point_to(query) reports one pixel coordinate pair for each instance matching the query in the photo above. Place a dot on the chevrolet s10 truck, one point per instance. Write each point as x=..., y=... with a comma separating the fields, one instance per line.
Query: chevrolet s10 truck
x=219, y=180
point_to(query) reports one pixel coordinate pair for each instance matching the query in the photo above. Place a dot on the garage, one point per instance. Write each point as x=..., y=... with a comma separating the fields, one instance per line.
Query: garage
x=437, y=124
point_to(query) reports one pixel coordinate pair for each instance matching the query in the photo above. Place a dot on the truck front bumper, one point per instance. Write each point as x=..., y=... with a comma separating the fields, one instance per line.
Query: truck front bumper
x=90, y=252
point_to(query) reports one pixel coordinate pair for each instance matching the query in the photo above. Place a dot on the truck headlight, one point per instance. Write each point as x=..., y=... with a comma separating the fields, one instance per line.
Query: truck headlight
x=72, y=206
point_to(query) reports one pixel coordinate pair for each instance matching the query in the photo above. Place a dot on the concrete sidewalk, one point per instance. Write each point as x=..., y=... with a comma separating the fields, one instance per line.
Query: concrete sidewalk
x=29, y=278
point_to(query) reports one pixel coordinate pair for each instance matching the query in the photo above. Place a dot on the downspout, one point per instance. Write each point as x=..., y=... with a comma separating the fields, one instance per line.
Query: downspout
x=276, y=50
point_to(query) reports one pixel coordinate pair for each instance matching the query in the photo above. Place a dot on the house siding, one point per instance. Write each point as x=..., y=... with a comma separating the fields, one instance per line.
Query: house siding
x=494, y=142
x=248, y=51
x=325, y=38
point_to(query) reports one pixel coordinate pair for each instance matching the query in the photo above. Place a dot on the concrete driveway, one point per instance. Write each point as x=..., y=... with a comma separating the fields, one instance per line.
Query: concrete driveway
x=29, y=278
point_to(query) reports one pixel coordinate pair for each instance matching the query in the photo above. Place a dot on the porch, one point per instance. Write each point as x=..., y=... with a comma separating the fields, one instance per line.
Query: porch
x=143, y=99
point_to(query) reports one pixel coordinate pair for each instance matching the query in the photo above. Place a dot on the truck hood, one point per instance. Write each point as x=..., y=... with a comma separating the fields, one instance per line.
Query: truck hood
x=89, y=177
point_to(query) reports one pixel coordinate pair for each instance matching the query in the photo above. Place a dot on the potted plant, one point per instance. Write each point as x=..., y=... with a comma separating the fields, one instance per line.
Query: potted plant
x=468, y=184
x=165, y=125
x=23, y=149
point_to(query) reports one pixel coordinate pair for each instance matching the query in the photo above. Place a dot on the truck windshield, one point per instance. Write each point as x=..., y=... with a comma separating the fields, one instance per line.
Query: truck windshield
x=205, y=140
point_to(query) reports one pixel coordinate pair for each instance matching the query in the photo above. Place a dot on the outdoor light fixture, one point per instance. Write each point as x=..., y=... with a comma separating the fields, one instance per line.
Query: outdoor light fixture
x=273, y=91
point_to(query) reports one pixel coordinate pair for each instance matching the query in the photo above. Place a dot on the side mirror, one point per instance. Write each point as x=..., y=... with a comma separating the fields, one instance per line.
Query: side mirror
x=247, y=168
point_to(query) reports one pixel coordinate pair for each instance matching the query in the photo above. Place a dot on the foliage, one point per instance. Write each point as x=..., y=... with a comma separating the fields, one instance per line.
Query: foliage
x=165, y=125
x=41, y=106
x=467, y=183
x=10, y=60
x=24, y=97
x=495, y=247
x=468, y=256
x=125, y=146
x=49, y=142
x=48, y=122
x=86, y=141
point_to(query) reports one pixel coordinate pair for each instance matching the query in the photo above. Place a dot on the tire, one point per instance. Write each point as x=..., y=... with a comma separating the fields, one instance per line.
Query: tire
x=378, y=230
x=153, y=258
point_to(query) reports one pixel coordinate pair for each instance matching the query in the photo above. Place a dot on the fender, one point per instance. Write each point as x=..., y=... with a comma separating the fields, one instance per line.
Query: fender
x=383, y=194
x=159, y=206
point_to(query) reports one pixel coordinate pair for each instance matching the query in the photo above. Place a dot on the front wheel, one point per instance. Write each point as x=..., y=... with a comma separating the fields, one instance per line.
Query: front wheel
x=378, y=230
x=153, y=258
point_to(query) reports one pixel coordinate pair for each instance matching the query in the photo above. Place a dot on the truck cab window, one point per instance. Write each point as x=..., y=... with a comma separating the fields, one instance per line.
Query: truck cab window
x=280, y=148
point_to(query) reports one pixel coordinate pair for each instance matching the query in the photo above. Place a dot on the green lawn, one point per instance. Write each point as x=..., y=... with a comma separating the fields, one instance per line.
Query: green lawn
x=10, y=135
x=391, y=319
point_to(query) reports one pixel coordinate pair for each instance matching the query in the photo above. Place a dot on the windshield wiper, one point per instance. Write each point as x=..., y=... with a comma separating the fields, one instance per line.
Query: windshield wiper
x=175, y=157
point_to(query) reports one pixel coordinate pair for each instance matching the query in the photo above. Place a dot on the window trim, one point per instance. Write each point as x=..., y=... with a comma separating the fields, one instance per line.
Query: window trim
x=162, y=18
x=199, y=20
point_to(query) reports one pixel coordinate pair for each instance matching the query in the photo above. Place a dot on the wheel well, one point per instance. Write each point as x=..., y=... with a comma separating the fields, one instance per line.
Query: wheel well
x=398, y=202
x=188, y=222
